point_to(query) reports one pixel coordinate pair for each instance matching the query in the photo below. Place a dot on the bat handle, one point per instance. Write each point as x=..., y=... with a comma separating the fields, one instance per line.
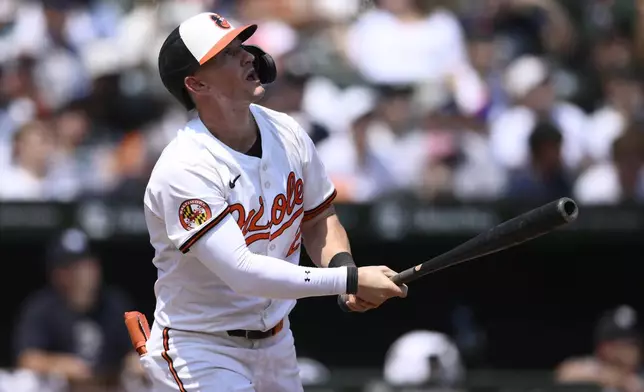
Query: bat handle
x=405, y=276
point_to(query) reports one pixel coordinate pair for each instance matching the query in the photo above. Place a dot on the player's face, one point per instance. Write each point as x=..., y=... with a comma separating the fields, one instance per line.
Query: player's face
x=230, y=74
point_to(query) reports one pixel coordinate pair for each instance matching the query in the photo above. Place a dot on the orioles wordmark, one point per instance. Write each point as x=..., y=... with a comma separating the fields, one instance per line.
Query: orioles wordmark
x=285, y=206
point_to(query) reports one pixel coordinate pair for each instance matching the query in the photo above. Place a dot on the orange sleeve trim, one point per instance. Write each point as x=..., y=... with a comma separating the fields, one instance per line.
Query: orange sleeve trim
x=195, y=237
x=308, y=215
x=164, y=354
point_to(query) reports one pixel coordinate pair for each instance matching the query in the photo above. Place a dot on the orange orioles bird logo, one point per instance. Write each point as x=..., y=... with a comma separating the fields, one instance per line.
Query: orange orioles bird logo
x=220, y=21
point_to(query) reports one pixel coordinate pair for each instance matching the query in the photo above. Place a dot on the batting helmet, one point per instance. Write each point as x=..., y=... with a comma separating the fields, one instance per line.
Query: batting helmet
x=197, y=40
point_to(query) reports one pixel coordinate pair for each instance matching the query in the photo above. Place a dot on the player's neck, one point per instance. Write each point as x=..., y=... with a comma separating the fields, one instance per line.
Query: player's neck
x=234, y=127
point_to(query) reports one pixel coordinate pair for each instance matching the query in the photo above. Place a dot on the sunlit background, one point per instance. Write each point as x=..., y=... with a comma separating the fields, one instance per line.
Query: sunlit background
x=434, y=119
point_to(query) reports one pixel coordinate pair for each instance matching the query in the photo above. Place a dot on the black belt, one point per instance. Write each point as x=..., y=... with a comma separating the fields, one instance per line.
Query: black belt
x=256, y=335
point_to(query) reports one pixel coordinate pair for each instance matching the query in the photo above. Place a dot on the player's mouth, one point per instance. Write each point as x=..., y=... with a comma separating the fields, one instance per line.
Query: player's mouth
x=252, y=76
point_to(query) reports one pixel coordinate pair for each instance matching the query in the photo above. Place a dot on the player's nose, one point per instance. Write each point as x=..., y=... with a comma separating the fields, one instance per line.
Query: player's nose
x=246, y=57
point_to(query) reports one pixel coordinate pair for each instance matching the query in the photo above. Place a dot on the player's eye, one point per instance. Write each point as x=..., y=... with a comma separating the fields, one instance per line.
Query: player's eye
x=232, y=51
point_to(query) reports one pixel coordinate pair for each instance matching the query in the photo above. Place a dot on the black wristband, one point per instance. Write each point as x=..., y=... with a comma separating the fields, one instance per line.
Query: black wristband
x=342, y=259
x=352, y=280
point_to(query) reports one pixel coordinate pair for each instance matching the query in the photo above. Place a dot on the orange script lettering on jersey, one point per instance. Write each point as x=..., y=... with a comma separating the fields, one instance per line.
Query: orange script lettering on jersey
x=285, y=206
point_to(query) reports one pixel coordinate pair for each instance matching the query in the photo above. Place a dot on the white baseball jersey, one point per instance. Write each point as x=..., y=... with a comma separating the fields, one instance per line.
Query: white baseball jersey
x=197, y=182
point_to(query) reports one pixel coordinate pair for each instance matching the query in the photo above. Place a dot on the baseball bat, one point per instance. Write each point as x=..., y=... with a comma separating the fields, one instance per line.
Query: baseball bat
x=515, y=231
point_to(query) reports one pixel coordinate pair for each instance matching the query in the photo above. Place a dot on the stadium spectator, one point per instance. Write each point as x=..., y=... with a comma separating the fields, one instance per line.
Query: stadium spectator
x=545, y=178
x=287, y=95
x=80, y=161
x=525, y=27
x=74, y=327
x=26, y=178
x=22, y=100
x=620, y=180
x=616, y=362
x=623, y=105
x=358, y=172
x=529, y=82
x=400, y=43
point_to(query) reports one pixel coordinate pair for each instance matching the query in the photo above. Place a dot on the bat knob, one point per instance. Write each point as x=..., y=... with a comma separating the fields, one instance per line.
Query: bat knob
x=342, y=303
x=568, y=209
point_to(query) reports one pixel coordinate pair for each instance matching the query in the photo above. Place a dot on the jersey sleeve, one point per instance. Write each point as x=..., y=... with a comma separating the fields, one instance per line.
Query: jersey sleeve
x=190, y=201
x=319, y=191
x=224, y=251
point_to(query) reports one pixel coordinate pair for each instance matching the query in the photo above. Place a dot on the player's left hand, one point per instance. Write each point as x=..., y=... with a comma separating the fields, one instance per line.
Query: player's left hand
x=353, y=303
x=356, y=304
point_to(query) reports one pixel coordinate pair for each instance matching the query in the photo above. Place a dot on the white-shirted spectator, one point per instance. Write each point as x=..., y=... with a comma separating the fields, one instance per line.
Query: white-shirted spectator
x=397, y=43
x=26, y=178
x=398, y=138
x=338, y=10
x=33, y=174
x=51, y=32
x=8, y=10
x=46, y=24
x=80, y=163
x=619, y=180
x=528, y=81
x=359, y=174
x=624, y=104
x=21, y=95
x=478, y=177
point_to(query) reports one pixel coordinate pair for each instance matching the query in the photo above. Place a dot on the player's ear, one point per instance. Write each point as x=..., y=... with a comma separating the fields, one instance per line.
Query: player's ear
x=194, y=85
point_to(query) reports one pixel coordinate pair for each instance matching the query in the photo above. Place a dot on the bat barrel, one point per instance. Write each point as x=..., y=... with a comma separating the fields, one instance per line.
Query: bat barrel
x=522, y=228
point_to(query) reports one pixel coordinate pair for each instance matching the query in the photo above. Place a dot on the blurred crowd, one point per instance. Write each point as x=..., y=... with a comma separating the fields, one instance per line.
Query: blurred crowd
x=439, y=99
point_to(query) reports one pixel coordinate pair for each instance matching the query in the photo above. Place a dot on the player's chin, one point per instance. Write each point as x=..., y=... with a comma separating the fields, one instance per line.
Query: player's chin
x=258, y=92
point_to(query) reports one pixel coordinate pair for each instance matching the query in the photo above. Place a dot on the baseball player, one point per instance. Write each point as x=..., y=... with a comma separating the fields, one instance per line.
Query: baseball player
x=228, y=206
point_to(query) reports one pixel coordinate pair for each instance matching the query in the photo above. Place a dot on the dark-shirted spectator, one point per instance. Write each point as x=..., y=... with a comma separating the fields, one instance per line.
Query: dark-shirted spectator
x=74, y=327
x=545, y=178
x=616, y=363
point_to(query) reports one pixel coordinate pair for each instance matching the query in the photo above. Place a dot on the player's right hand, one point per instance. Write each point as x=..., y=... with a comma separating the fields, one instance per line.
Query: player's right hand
x=375, y=285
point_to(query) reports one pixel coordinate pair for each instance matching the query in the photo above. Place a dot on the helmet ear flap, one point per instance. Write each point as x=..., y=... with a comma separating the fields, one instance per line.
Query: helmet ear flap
x=264, y=64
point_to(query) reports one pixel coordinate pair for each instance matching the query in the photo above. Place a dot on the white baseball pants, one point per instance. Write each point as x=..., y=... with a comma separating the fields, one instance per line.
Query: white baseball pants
x=179, y=361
